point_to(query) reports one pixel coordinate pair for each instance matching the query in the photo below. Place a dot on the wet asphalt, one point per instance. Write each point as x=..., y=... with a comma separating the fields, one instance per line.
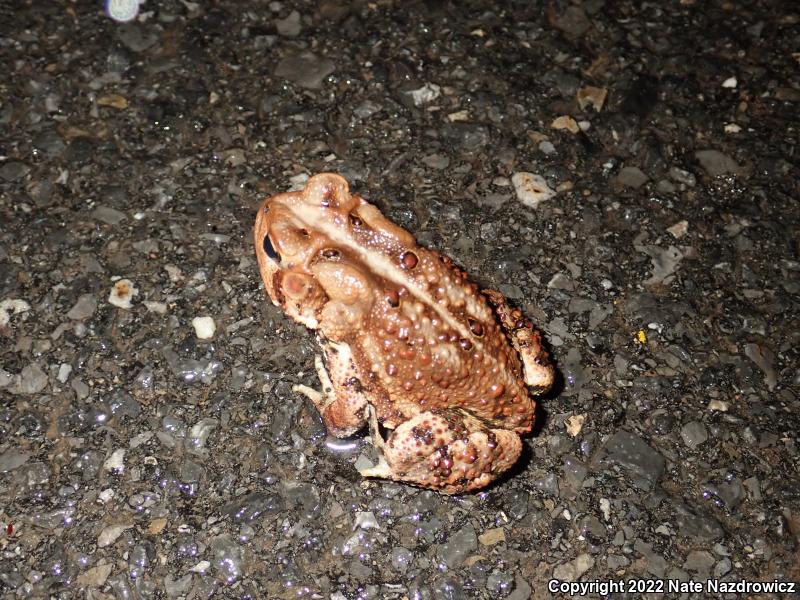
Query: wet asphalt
x=138, y=460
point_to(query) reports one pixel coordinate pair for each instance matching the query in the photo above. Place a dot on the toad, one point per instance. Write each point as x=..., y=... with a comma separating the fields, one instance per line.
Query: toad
x=441, y=370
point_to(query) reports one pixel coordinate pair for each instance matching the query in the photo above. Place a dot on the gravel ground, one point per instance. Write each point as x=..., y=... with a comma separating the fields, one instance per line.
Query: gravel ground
x=139, y=461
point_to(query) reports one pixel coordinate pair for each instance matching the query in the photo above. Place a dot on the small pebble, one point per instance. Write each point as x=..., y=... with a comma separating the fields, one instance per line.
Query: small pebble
x=715, y=163
x=493, y=536
x=12, y=307
x=94, y=577
x=122, y=293
x=83, y=308
x=32, y=380
x=290, y=26
x=204, y=327
x=566, y=122
x=13, y=170
x=572, y=570
x=546, y=147
x=201, y=567
x=531, y=189
x=605, y=508
x=631, y=177
x=123, y=11
x=115, y=462
x=426, y=94
x=679, y=229
x=592, y=96
x=575, y=424
x=694, y=434
x=305, y=69
x=108, y=215
x=459, y=115
x=718, y=405
x=110, y=534
x=366, y=520
x=63, y=372
x=155, y=307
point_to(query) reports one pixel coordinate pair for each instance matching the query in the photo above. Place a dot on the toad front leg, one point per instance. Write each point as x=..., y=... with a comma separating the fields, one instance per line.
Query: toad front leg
x=343, y=402
x=449, y=450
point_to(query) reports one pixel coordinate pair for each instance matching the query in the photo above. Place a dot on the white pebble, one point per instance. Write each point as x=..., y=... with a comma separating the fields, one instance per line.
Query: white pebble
x=122, y=11
x=719, y=405
x=730, y=82
x=460, y=115
x=13, y=306
x=679, y=229
x=204, y=327
x=175, y=273
x=201, y=567
x=115, y=462
x=298, y=182
x=122, y=293
x=366, y=520
x=574, y=424
x=156, y=307
x=106, y=495
x=427, y=93
x=605, y=508
x=63, y=372
x=531, y=189
x=546, y=147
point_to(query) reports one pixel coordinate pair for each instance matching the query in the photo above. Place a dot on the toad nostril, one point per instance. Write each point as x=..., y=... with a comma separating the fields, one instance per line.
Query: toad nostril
x=270, y=251
x=331, y=253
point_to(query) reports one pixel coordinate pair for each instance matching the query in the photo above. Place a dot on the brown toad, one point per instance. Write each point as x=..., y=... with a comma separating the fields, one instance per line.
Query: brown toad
x=408, y=341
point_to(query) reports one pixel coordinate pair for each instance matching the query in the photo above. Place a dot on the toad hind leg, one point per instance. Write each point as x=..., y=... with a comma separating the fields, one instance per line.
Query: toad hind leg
x=449, y=450
x=527, y=341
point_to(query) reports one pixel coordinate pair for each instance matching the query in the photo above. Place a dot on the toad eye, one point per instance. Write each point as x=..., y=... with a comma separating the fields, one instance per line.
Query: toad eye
x=270, y=251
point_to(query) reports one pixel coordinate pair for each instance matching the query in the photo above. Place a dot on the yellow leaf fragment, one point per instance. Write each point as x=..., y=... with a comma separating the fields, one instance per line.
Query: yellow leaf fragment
x=493, y=536
x=113, y=101
x=592, y=96
x=565, y=122
x=156, y=526
x=575, y=424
